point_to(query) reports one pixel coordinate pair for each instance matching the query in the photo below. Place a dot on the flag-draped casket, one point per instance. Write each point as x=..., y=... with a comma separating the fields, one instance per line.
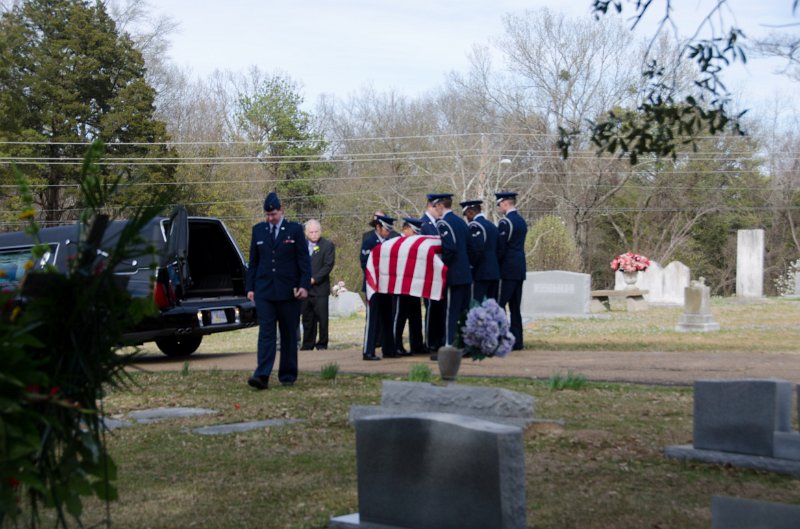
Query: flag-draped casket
x=407, y=265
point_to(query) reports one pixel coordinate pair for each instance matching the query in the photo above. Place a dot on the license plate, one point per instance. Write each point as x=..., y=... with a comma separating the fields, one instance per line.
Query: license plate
x=218, y=316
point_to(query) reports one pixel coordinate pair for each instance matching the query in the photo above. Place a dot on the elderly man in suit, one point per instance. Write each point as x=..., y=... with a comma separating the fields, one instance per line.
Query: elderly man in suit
x=278, y=278
x=483, y=251
x=512, y=230
x=315, y=306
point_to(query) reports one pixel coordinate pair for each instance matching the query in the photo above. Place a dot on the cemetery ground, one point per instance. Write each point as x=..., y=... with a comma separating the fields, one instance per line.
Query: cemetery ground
x=602, y=468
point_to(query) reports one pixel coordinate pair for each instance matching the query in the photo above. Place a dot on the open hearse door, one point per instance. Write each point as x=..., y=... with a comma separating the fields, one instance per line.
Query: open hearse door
x=197, y=283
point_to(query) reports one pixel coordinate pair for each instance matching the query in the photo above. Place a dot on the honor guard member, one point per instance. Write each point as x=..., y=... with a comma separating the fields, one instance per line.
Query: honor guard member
x=278, y=278
x=483, y=251
x=379, y=306
x=455, y=236
x=408, y=308
x=428, y=220
x=434, y=310
x=512, y=230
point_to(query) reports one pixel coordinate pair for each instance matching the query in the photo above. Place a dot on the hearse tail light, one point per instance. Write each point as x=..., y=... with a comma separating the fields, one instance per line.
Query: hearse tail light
x=162, y=294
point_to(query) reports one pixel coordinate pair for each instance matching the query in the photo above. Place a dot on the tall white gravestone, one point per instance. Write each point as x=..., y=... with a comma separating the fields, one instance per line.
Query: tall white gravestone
x=750, y=263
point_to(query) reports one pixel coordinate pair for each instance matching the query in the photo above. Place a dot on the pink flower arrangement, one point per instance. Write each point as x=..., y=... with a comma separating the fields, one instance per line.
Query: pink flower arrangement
x=630, y=262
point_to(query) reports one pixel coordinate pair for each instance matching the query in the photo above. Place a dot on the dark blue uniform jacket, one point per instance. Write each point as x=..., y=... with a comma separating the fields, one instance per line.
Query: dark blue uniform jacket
x=455, y=238
x=484, y=235
x=511, y=246
x=275, y=270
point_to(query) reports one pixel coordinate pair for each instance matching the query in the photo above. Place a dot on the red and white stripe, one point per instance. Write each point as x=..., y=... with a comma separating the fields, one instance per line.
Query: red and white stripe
x=407, y=265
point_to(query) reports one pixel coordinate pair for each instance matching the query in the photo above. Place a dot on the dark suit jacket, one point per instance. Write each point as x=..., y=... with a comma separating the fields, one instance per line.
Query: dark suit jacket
x=484, y=250
x=275, y=270
x=323, y=258
x=455, y=237
x=512, y=230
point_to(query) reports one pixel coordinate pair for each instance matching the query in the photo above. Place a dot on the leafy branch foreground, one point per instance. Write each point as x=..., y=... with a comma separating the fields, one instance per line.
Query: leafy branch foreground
x=604, y=468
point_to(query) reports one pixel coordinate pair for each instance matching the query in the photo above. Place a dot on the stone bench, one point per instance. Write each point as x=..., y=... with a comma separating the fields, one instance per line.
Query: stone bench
x=633, y=297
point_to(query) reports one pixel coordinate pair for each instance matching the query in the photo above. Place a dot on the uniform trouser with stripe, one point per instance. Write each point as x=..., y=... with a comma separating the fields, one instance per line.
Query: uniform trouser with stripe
x=407, y=308
x=434, y=323
x=456, y=304
x=511, y=294
x=379, y=321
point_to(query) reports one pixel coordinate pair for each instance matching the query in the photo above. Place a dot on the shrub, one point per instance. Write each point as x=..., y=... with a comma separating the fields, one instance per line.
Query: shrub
x=551, y=246
x=60, y=337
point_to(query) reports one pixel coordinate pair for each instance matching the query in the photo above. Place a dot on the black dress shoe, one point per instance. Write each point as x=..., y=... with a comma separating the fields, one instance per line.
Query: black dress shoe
x=322, y=348
x=434, y=357
x=403, y=352
x=391, y=355
x=370, y=357
x=287, y=383
x=258, y=382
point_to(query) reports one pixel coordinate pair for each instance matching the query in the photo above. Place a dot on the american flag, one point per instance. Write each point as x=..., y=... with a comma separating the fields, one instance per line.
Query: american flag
x=407, y=265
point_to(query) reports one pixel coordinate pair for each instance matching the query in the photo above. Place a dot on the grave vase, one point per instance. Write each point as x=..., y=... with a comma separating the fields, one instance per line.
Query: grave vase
x=449, y=359
x=630, y=279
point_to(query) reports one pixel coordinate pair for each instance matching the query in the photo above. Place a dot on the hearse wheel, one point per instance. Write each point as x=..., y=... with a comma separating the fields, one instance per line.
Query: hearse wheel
x=179, y=345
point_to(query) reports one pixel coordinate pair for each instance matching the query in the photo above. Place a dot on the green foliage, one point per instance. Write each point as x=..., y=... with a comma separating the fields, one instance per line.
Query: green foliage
x=666, y=119
x=68, y=78
x=60, y=336
x=185, y=369
x=559, y=382
x=420, y=373
x=551, y=246
x=283, y=136
x=329, y=371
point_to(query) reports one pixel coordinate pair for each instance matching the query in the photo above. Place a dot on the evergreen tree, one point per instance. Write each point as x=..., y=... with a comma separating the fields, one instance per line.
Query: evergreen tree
x=284, y=138
x=67, y=78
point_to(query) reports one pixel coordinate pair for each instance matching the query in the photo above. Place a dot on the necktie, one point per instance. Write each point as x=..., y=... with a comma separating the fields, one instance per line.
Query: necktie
x=272, y=234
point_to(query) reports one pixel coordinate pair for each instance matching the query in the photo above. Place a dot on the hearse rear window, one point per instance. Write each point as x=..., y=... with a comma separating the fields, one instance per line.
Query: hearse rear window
x=12, y=263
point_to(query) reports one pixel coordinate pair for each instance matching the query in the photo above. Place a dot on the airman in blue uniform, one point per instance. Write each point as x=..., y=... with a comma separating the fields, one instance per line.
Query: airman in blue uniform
x=278, y=278
x=379, y=306
x=407, y=308
x=434, y=310
x=483, y=251
x=512, y=230
x=455, y=237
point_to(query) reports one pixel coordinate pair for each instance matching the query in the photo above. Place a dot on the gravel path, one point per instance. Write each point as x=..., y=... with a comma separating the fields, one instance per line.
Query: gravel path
x=643, y=367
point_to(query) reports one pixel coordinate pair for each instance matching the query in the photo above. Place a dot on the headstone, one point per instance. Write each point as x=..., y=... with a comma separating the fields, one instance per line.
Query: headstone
x=664, y=285
x=556, y=294
x=697, y=309
x=491, y=404
x=438, y=471
x=750, y=263
x=345, y=304
x=741, y=416
x=158, y=414
x=738, y=513
x=238, y=427
x=797, y=283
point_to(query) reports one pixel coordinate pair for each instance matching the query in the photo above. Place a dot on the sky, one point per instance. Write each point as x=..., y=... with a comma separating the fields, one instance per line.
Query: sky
x=337, y=47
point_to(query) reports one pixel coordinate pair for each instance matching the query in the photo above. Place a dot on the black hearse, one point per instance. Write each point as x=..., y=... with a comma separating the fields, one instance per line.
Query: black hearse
x=197, y=281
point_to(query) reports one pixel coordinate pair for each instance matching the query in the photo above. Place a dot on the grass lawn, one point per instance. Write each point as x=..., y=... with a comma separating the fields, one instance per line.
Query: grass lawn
x=768, y=324
x=603, y=469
